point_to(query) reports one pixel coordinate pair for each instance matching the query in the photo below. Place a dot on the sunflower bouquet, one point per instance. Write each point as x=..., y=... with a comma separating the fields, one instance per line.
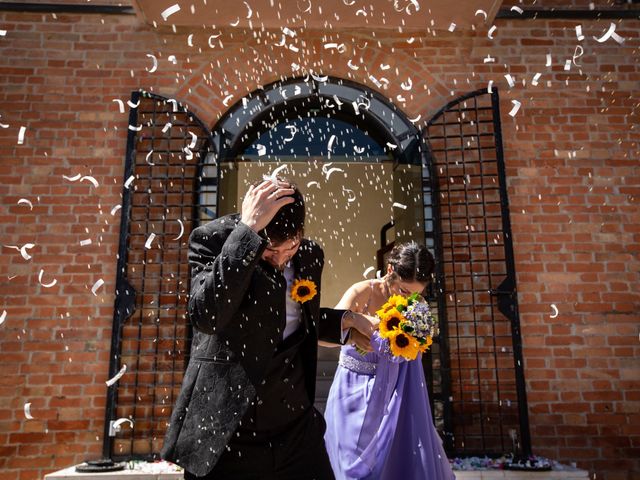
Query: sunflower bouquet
x=407, y=326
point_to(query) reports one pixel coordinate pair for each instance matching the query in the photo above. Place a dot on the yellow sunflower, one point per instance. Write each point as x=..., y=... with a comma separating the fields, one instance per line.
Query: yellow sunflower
x=303, y=290
x=389, y=322
x=393, y=303
x=425, y=346
x=403, y=345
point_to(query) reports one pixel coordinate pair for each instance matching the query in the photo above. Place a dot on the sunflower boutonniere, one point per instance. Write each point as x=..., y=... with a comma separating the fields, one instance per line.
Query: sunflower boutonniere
x=303, y=290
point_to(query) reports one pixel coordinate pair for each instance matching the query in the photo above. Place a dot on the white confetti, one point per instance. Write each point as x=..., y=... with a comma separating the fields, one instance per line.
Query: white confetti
x=166, y=127
x=46, y=285
x=368, y=271
x=332, y=170
x=27, y=411
x=332, y=139
x=399, y=205
x=516, y=107
x=72, y=179
x=358, y=150
x=293, y=129
x=555, y=311
x=567, y=65
x=481, y=12
x=181, y=230
x=352, y=66
x=309, y=184
x=194, y=140
x=392, y=146
x=261, y=149
x=340, y=47
x=120, y=421
x=249, y=11
x=24, y=248
x=351, y=195
x=170, y=11
x=129, y=181
x=235, y=24
x=579, y=34
x=174, y=102
x=577, y=55
x=133, y=105
x=172, y=59
x=149, y=156
x=84, y=243
x=25, y=202
x=416, y=119
x=515, y=8
x=3, y=33
x=135, y=129
x=490, y=33
x=225, y=102
x=21, y=135
x=535, y=79
x=548, y=64
x=510, y=80
x=115, y=209
x=288, y=32
x=117, y=376
x=489, y=59
x=384, y=66
x=319, y=78
x=406, y=85
x=120, y=104
x=3, y=317
x=489, y=86
x=89, y=178
x=190, y=40
x=452, y=27
x=155, y=63
x=96, y=286
x=611, y=33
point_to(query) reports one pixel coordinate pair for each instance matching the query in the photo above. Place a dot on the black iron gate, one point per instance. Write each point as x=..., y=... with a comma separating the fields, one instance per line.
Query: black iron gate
x=166, y=148
x=482, y=395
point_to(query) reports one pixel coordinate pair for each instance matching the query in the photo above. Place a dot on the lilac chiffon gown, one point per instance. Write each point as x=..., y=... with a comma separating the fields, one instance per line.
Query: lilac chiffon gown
x=379, y=424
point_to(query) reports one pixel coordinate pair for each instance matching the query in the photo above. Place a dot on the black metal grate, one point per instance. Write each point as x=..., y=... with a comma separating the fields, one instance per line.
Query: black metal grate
x=166, y=148
x=483, y=397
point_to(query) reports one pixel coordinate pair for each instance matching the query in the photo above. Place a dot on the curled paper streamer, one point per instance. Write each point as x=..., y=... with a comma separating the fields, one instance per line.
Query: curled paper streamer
x=170, y=11
x=117, y=376
x=96, y=286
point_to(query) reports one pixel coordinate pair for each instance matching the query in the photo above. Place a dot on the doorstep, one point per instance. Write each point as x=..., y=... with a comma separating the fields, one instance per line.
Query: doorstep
x=127, y=474
x=513, y=475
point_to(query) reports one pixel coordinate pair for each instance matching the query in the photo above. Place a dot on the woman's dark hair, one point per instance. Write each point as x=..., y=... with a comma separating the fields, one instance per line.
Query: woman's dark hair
x=411, y=261
x=288, y=223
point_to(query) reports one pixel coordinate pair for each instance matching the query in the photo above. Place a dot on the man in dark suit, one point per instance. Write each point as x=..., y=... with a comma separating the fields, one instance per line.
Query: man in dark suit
x=245, y=410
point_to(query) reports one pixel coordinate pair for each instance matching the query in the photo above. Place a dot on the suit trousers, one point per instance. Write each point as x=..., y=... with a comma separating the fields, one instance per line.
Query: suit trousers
x=298, y=453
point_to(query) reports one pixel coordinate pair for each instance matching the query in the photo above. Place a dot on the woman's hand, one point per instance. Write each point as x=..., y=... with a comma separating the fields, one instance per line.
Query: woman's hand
x=362, y=327
x=358, y=340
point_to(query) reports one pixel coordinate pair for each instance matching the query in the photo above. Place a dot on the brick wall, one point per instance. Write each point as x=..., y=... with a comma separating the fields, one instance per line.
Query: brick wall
x=573, y=178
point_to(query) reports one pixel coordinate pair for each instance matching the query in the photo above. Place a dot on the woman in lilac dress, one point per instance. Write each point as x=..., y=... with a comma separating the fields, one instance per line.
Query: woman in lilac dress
x=379, y=424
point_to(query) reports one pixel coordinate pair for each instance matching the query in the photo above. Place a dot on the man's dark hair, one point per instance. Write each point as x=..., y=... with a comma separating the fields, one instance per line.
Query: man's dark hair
x=411, y=261
x=289, y=221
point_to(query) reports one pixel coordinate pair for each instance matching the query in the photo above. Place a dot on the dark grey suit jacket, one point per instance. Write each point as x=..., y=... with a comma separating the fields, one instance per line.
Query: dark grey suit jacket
x=237, y=309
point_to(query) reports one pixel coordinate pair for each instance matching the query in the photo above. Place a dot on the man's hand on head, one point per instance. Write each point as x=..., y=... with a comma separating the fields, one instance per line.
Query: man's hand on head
x=262, y=202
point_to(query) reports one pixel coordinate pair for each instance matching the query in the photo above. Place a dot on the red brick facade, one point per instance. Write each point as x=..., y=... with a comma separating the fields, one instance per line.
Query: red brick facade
x=571, y=154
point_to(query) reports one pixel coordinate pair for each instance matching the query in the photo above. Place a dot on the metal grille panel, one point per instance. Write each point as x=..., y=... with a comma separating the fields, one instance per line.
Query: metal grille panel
x=166, y=148
x=486, y=407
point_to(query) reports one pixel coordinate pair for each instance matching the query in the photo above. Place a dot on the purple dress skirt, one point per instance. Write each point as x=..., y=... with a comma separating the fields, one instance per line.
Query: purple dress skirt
x=379, y=424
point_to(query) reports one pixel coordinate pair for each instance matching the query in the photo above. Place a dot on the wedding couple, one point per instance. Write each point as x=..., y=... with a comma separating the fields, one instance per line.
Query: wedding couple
x=245, y=410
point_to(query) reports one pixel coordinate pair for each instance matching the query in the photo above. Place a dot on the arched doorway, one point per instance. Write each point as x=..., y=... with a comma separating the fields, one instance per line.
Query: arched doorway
x=358, y=160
